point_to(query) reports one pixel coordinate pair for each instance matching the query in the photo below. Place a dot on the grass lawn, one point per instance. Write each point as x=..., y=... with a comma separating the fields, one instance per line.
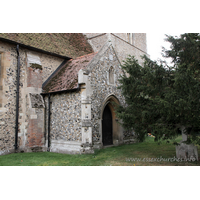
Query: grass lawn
x=113, y=156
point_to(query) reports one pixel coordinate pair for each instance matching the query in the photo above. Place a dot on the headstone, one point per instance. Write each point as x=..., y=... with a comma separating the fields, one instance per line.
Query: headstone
x=186, y=151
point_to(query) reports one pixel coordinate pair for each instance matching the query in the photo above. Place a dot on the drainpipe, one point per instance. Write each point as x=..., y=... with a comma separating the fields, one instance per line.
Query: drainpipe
x=17, y=100
x=49, y=115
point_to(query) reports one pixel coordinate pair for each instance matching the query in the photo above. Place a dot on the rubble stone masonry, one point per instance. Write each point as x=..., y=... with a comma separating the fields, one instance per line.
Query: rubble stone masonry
x=65, y=116
x=137, y=46
x=75, y=116
x=31, y=80
x=101, y=88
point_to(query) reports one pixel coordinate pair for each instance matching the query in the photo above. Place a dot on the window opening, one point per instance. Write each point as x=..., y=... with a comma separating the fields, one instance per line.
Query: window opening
x=111, y=75
x=128, y=37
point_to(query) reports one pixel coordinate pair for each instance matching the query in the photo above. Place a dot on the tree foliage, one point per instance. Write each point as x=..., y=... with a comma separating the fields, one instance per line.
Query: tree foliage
x=161, y=99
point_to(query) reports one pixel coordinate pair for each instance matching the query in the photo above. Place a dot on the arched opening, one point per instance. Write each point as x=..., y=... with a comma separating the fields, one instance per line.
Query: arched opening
x=107, y=127
x=108, y=113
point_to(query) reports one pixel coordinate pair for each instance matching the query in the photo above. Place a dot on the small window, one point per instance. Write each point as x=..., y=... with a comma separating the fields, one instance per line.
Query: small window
x=111, y=75
x=129, y=37
x=132, y=38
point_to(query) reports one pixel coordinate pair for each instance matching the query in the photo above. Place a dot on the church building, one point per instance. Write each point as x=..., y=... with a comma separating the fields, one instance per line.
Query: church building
x=58, y=91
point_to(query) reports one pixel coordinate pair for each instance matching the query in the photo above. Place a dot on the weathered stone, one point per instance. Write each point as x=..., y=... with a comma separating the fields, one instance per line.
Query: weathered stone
x=75, y=117
x=37, y=101
x=65, y=117
x=86, y=123
x=8, y=108
x=186, y=151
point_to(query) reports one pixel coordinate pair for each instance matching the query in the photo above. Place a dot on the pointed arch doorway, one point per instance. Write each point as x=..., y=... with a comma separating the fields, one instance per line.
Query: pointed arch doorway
x=107, y=127
x=111, y=131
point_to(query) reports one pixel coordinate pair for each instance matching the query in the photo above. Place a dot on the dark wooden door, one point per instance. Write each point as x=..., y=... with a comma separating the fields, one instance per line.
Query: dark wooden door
x=107, y=138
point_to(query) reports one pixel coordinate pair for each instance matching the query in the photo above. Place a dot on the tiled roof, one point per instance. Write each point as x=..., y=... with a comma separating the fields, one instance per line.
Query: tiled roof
x=67, y=77
x=66, y=44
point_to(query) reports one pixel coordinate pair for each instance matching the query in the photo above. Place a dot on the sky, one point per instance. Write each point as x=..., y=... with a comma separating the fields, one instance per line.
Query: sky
x=155, y=42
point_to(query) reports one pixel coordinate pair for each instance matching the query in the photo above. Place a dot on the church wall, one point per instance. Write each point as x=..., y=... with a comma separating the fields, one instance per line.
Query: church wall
x=8, y=95
x=65, y=117
x=71, y=125
x=31, y=80
x=49, y=65
x=140, y=41
x=101, y=89
x=33, y=124
x=120, y=42
x=97, y=40
x=90, y=35
x=121, y=35
x=65, y=122
x=123, y=49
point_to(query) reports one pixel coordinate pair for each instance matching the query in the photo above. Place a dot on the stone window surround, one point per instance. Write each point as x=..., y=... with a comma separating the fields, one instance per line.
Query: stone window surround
x=130, y=38
x=108, y=76
x=111, y=75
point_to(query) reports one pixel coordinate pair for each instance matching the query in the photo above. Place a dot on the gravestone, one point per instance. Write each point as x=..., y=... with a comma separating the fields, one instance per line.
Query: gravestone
x=186, y=151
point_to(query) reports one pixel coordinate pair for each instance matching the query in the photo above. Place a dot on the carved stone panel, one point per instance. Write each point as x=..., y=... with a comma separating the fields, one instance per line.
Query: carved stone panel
x=36, y=101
